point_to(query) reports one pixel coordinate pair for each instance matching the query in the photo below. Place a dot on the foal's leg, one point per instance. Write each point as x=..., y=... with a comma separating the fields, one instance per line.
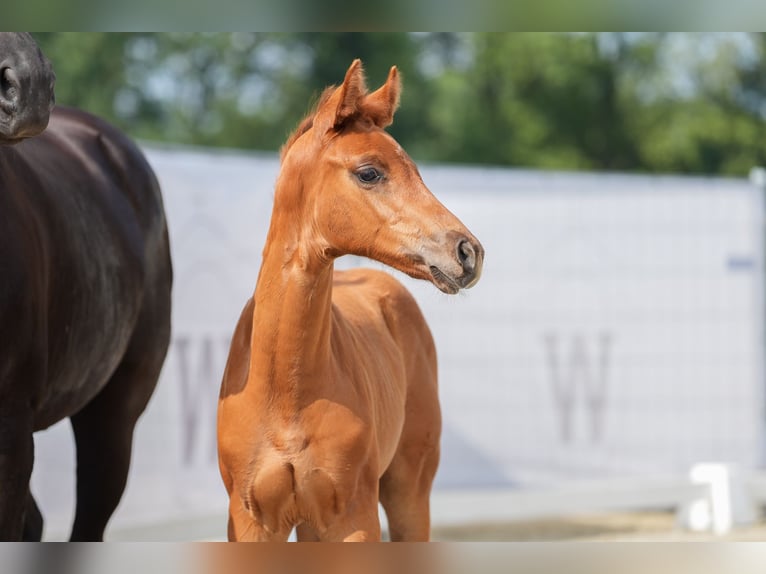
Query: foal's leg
x=405, y=487
x=360, y=522
x=306, y=533
x=244, y=528
x=405, y=490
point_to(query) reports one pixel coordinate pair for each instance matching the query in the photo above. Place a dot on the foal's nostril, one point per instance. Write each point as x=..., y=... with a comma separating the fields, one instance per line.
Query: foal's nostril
x=466, y=255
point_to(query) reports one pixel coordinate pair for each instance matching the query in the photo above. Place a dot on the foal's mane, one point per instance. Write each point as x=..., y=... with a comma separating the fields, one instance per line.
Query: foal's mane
x=306, y=123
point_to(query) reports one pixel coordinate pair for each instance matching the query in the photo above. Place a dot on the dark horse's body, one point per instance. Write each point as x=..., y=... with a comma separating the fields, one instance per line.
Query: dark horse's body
x=85, y=280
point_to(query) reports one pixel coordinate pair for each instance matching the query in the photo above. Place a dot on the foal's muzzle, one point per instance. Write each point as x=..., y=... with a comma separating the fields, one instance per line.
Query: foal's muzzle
x=470, y=255
x=460, y=267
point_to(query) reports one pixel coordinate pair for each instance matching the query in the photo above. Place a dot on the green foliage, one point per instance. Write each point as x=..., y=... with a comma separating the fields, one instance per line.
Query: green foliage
x=640, y=102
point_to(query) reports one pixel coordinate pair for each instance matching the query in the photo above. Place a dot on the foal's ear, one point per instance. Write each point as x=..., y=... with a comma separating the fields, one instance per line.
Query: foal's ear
x=344, y=102
x=380, y=105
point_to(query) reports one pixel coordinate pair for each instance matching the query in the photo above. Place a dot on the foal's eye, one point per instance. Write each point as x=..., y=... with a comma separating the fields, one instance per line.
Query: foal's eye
x=368, y=175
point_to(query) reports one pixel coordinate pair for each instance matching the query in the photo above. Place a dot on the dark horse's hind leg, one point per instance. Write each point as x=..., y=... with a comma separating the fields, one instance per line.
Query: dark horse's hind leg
x=103, y=429
x=16, y=455
x=103, y=433
x=33, y=521
x=104, y=436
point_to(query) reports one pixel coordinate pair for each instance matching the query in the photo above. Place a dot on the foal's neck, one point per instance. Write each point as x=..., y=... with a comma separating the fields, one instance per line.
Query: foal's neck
x=290, y=340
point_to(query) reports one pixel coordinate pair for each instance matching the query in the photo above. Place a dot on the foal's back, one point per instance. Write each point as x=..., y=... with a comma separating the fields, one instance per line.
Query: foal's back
x=375, y=310
x=376, y=318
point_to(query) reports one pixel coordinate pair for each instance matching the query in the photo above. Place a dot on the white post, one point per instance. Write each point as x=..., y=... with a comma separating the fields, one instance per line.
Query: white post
x=728, y=504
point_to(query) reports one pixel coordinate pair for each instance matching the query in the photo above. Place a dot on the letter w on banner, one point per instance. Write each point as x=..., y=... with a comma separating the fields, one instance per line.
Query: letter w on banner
x=578, y=370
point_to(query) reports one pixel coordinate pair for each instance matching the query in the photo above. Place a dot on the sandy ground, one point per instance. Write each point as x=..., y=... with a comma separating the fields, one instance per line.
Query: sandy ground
x=627, y=527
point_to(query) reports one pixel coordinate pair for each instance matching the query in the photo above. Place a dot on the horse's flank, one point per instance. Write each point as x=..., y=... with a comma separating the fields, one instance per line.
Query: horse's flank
x=85, y=280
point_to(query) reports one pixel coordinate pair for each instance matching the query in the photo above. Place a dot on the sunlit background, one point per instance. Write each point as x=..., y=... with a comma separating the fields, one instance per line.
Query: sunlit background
x=605, y=378
x=645, y=102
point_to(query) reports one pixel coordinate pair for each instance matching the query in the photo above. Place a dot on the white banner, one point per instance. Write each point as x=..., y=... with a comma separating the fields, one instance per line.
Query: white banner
x=617, y=331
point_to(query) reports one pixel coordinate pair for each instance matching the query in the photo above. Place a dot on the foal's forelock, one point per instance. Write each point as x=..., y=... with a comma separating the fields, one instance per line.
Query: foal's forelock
x=308, y=122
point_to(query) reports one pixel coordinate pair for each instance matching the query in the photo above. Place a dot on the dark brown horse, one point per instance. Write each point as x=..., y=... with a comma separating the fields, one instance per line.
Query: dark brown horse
x=85, y=280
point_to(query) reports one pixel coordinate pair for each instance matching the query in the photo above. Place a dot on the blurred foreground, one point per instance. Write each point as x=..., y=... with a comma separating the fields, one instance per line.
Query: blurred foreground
x=613, y=527
x=374, y=559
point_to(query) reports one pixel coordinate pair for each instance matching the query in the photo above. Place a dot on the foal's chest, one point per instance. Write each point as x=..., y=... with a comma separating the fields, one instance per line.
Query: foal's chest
x=308, y=476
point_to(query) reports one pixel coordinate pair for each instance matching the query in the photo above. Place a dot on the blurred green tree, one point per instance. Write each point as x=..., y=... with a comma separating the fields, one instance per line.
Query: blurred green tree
x=549, y=101
x=704, y=112
x=629, y=102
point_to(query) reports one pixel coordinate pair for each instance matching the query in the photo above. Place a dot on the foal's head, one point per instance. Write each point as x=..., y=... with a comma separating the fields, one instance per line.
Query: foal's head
x=357, y=191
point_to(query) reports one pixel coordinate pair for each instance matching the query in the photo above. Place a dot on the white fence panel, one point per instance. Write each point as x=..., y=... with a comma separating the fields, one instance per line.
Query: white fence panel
x=617, y=331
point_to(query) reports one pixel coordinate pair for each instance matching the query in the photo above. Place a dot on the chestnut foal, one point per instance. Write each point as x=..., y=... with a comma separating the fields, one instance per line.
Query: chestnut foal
x=329, y=399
